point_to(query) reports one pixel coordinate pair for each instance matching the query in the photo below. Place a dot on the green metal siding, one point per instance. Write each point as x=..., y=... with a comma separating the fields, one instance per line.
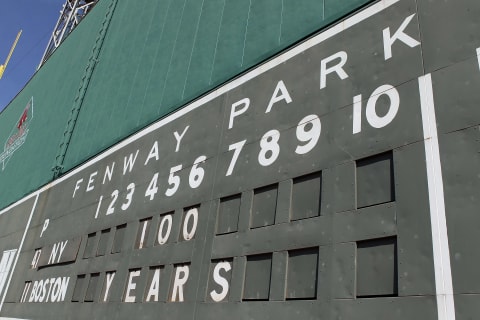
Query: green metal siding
x=155, y=57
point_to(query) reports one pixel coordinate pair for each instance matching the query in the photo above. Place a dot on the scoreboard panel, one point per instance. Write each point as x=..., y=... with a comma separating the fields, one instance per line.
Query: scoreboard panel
x=309, y=187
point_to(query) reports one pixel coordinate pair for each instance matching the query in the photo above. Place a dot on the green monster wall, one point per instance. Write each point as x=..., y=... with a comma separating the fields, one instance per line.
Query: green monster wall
x=338, y=180
x=130, y=63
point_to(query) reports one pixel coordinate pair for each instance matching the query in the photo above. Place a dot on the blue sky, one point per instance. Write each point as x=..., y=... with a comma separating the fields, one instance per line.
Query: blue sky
x=36, y=18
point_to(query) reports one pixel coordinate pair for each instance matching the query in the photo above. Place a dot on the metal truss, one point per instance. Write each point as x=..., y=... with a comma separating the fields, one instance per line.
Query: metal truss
x=72, y=13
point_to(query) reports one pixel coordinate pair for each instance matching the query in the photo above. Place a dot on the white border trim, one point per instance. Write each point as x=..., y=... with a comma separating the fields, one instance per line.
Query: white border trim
x=19, y=251
x=441, y=251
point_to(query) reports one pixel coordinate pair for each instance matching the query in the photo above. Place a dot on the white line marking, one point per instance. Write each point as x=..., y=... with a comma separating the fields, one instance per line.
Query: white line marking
x=478, y=57
x=19, y=251
x=441, y=251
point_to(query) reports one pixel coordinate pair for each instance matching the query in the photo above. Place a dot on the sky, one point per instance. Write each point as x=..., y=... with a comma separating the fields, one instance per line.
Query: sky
x=36, y=19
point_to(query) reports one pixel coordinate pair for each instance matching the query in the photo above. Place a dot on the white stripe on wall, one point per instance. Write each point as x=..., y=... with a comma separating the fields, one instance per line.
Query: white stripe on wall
x=441, y=252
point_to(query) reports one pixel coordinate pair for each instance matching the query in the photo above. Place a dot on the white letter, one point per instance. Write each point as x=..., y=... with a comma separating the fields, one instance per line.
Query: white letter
x=179, y=137
x=53, y=253
x=179, y=283
x=336, y=68
x=131, y=286
x=154, y=286
x=33, y=293
x=284, y=96
x=108, y=173
x=77, y=186
x=153, y=153
x=45, y=226
x=234, y=112
x=90, y=181
x=110, y=276
x=63, y=288
x=128, y=164
x=217, y=297
x=62, y=247
x=398, y=35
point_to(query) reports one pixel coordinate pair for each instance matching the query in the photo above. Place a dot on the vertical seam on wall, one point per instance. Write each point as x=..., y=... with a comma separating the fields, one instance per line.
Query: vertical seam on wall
x=216, y=43
x=441, y=251
x=246, y=31
x=138, y=65
x=193, y=48
x=172, y=54
x=281, y=22
x=157, y=50
x=82, y=90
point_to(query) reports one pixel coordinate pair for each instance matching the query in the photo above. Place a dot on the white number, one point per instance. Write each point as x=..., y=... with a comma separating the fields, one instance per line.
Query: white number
x=371, y=113
x=309, y=136
x=111, y=208
x=98, y=207
x=162, y=239
x=152, y=187
x=173, y=180
x=192, y=213
x=238, y=148
x=197, y=173
x=131, y=189
x=269, y=145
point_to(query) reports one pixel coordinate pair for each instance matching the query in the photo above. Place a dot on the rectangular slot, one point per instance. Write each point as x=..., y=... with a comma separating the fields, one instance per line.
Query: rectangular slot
x=119, y=238
x=79, y=288
x=302, y=274
x=90, y=247
x=375, y=180
x=92, y=287
x=264, y=206
x=103, y=242
x=257, y=277
x=306, y=196
x=228, y=213
x=377, y=268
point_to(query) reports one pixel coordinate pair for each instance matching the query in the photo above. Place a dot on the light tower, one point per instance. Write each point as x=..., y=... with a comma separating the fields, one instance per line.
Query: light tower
x=72, y=13
x=4, y=65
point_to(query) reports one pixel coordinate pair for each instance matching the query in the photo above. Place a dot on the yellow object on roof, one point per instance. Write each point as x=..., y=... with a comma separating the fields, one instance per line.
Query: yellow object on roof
x=4, y=66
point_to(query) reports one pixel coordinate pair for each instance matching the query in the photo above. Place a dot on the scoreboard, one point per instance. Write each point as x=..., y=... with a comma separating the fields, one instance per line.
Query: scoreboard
x=309, y=187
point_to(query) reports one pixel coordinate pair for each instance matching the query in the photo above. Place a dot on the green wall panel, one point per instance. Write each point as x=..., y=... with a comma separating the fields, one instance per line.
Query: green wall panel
x=53, y=88
x=155, y=57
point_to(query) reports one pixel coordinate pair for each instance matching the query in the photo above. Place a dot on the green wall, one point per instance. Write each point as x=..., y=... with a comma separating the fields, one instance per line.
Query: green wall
x=130, y=63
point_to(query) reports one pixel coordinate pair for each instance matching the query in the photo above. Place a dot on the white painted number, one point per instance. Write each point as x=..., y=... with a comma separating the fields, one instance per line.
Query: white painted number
x=163, y=237
x=111, y=207
x=308, y=131
x=373, y=118
x=131, y=190
x=173, y=181
x=269, y=148
x=191, y=214
x=238, y=148
x=197, y=173
x=152, y=187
